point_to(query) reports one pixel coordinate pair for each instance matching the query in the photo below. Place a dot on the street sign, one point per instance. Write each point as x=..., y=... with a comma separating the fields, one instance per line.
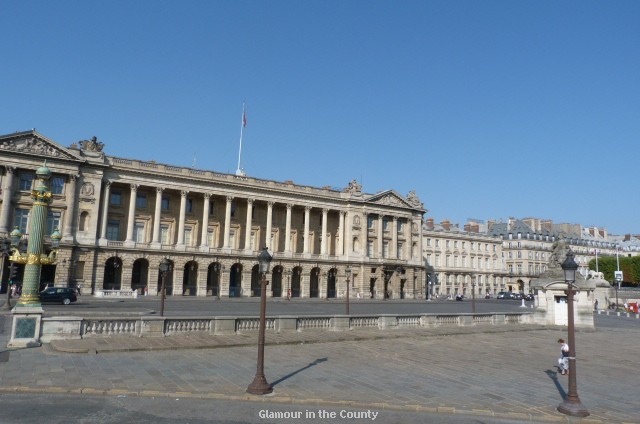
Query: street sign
x=618, y=275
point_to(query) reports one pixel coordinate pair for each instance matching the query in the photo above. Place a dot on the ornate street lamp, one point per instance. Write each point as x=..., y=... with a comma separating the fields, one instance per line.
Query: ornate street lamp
x=571, y=405
x=347, y=273
x=287, y=273
x=259, y=385
x=165, y=268
x=473, y=294
x=28, y=311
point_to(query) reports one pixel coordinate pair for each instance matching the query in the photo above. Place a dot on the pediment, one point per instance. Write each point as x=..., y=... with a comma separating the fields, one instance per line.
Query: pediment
x=31, y=142
x=389, y=198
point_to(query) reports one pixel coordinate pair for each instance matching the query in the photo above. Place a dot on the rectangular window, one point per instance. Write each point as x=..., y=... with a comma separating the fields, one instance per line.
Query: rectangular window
x=138, y=232
x=253, y=241
x=233, y=209
x=232, y=239
x=437, y=242
x=455, y=244
x=188, y=236
x=57, y=185
x=189, y=205
x=210, y=239
x=116, y=197
x=141, y=201
x=429, y=242
x=370, y=221
x=429, y=259
x=400, y=226
x=437, y=261
x=385, y=249
x=212, y=206
x=164, y=234
x=400, y=252
x=370, y=249
x=447, y=260
x=385, y=224
x=53, y=222
x=113, y=230
x=447, y=244
x=26, y=181
x=165, y=203
x=21, y=220
x=79, y=273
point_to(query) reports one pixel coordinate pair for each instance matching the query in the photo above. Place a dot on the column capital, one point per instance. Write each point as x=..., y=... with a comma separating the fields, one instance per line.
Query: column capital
x=106, y=182
x=73, y=177
x=250, y=201
x=183, y=193
x=307, y=208
x=10, y=169
x=230, y=198
x=395, y=218
x=207, y=196
x=134, y=187
x=325, y=211
x=159, y=190
x=289, y=206
x=270, y=203
x=343, y=213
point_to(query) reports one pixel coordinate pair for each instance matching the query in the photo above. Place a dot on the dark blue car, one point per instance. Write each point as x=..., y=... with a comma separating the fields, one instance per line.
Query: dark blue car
x=58, y=295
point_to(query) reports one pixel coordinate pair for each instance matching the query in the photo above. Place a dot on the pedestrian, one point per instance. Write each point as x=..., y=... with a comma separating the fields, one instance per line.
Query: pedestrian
x=596, y=305
x=563, y=360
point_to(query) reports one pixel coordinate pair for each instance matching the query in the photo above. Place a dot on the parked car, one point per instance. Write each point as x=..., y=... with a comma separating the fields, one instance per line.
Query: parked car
x=529, y=297
x=459, y=297
x=516, y=296
x=504, y=295
x=58, y=295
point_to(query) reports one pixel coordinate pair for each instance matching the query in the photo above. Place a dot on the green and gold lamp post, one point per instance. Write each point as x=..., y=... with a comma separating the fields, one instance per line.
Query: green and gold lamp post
x=27, y=314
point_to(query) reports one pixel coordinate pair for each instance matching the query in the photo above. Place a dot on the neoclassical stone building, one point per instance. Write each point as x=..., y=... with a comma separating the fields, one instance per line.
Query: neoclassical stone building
x=120, y=217
x=459, y=259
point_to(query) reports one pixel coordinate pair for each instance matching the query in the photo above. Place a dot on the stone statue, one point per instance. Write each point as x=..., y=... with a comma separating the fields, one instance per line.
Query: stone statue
x=414, y=200
x=92, y=145
x=354, y=187
x=559, y=254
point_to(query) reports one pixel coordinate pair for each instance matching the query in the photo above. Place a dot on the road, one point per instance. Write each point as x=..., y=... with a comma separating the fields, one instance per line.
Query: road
x=208, y=306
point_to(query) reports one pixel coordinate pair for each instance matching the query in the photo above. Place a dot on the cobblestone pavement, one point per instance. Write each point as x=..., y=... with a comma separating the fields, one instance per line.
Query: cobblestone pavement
x=480, y=371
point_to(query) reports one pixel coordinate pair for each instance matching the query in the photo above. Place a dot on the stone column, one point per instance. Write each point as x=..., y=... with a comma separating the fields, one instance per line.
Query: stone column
x=183, y=208
x=156, y=218
x=341, y=243
x=204, y=238
x=305, y=236
x=365, y=236
x=267, y=236
x=72, y=201
x=380, y=235
x=7, y=192
x=247, y=225
x=393, y=251
x=132, y=215
x=323, y=236
x=227, y=222
x=105, y=210
x=287, y=230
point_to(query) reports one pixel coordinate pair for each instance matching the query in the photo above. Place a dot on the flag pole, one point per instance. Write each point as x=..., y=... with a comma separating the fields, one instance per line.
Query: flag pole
x=243, y=123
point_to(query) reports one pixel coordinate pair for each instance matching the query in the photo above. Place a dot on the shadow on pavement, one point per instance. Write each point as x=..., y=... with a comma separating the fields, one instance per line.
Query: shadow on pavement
x=554, y=376
x=316, y=362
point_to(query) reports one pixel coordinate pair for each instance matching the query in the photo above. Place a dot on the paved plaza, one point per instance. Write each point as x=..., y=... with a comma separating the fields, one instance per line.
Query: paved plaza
x=489, y=372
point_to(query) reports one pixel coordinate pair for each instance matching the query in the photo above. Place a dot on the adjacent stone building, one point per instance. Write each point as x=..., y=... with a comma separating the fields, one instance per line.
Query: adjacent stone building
x=120, y=217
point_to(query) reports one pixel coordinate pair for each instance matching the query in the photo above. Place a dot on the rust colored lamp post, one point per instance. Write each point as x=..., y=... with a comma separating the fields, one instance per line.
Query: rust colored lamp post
x=165, y=267
x=259, y=385
x=347, y=272
x=571, y=405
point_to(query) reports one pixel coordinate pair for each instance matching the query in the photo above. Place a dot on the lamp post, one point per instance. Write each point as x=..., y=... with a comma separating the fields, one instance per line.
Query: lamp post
x=28, y=310
x=347, y=273
x=259, y=385
x=571, y=405
x=288, y=275
x=473, y=294
x=165, y=267
x=6, y=249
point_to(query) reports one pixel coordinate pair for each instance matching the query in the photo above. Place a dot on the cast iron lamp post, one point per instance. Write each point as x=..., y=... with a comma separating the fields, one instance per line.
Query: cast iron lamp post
x=288, y=274
x=473, y=294
x=6, y=249
x=165, y=267
x=259, y=385
x=571, y=405
x=347, y=273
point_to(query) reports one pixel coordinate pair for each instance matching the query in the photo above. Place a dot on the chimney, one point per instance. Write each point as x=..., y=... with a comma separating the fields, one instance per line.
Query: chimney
x=430, y=223
x=446, y=224
x=467, y=227
x=475, y=228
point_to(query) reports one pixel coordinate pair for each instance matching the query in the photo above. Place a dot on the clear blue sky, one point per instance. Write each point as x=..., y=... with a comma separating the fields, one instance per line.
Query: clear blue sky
x=488, y=109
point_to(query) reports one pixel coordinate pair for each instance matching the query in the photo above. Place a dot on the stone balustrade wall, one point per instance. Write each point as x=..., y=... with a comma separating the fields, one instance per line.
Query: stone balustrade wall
x=54, y=328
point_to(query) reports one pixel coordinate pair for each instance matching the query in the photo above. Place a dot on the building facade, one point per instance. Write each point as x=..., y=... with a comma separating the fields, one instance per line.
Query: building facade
x=120, y=217
x=458, y=261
